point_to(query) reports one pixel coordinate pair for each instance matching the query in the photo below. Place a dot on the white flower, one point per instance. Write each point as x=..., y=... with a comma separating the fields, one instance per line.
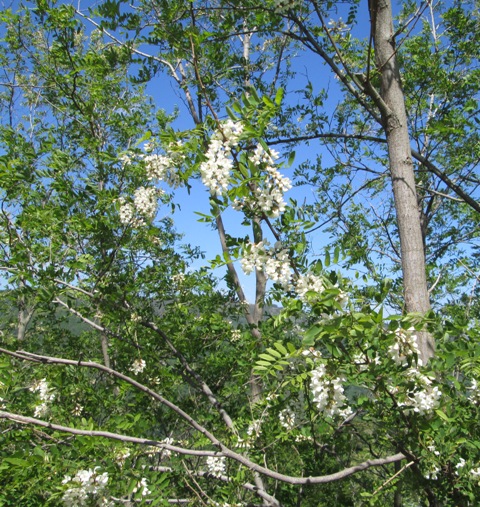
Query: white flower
x=138, y=366
x=77, y=410
x=328, y=394
x=87, y=485
x=215, y=171
x=269, y=188
x=142, y=486
x=275, y=264
x=144, y=206
x=41, y=410
x=122, y=456
x=474, y=395
x=423, y=398
x=475, y=472
x=308, y=283
x=236, y=334
x=45, y=394
x=287, y=418
x=459, y=465
x=162, y=168
x=166, y=453
x=405, y=345
x=254, y=429
x=41, y=387
x=216, y=466
x=145, y=200
x=433, y=473
x=312, y=354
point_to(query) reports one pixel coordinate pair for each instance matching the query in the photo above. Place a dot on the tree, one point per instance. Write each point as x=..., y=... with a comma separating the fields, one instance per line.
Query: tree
x=338, y=403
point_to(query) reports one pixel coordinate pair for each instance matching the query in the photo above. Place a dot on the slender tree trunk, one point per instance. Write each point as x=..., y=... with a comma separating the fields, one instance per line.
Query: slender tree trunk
x=256, y=386
x=401, y=168
x=25, y=313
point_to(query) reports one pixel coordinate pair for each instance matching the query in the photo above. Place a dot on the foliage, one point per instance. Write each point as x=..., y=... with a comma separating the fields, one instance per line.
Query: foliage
x=129, y=377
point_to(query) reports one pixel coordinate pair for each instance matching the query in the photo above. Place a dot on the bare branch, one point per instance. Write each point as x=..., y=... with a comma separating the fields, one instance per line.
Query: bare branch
x=103, y=434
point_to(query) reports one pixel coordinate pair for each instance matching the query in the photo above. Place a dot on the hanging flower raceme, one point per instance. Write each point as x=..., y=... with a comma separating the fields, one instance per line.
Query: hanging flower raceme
x=267, y=186
x=46, y=396
x=268, y=189
x=216, y=170
x=86, y=487
x=274, y=262
x=423, y=398
x=405, y=346
x=216, y=466
x=328, y=393
x=142, y=209
x=307, y=284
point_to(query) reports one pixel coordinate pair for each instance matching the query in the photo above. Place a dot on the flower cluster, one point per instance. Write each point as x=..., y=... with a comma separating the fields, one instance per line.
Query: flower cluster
x=405, y=345
x=88, y=486
x=166, y=453
x=77, y=409
x=475, y=473
x=474, y=395
x=142, y=487
x=338, y=26
x=216, y=466
x=144, y=206
x=312, y=354
x=423, y=398
x=462, y=469
x=254, y=429
x=122, y=456
x=215, y=171
x=308, y=283
x=45, y=394
x=225, y=504
x=328, y=393
x=162, y=167
x=275, y=263
x=287, y=418
x=145, y=200
x=268, y=194
x=236, y=335
x=138, y=366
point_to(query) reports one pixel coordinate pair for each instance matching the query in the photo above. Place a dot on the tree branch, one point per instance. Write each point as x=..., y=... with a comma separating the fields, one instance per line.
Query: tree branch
x=224, y=450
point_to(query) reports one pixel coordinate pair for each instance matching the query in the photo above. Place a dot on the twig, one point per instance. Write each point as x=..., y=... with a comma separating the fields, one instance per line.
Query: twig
x=393, y=477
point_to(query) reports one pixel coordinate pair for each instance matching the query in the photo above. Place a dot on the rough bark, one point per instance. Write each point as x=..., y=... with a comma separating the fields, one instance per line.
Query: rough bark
x=401, y=168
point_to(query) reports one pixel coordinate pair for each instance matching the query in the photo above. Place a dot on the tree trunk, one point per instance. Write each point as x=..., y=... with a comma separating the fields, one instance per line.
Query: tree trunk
x=401, y=168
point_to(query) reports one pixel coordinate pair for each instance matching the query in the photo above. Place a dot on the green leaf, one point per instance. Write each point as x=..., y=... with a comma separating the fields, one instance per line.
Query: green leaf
x=231, y=113
x=267, y=101
x=291, y=348
x=274, y=352
x=264, y=363
x=267, y=357
x=17, y=462
x=327, y=259
x=443, y=415
x=279, y=96
x=291, y=158
x=336, y=255
x=310, y=336
x=280, y=348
